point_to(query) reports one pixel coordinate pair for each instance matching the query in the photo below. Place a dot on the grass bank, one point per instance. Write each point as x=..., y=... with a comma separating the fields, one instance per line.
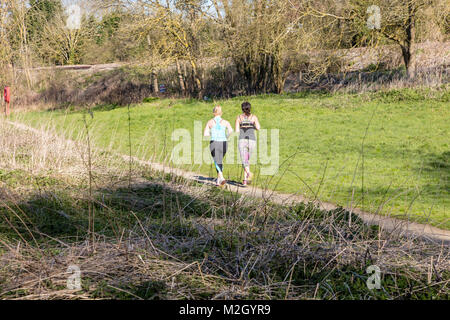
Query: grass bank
x=385, y=152
x=139, y=234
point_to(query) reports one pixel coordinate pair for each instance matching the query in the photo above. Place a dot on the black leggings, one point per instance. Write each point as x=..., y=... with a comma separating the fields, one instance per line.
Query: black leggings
x=218, y=152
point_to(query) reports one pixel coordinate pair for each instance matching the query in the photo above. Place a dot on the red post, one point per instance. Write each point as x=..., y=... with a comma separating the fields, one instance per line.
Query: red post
x=7, y=97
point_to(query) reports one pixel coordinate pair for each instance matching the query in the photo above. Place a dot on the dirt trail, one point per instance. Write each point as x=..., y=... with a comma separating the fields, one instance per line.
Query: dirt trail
x=404, y=227
x=408, y=228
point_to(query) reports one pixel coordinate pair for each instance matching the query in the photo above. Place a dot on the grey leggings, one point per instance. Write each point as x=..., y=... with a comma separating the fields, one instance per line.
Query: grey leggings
x=218, y=150
x=246, y=148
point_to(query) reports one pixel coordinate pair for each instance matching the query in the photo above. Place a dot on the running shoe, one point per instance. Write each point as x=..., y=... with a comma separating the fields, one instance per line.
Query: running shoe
x=249, y=178
x=221, y=182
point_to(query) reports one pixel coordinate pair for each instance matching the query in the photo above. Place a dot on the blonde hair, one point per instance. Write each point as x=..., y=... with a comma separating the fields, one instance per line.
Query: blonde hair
x=217, y=111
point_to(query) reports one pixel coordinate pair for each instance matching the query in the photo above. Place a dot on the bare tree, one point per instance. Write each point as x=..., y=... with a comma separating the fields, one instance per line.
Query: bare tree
x=65, y=42
x=261, y=36
x=5, y=46
x=398, y=23
x=18, y=31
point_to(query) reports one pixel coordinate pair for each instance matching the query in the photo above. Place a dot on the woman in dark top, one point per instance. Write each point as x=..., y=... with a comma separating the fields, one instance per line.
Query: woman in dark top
x=246, y=125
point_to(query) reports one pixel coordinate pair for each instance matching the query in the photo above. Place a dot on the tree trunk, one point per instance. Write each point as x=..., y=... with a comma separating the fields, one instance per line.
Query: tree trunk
x=197, y=80
x=411, y=69
x=181, y=78
x=155, y=82
x=186, y=78
x=409, y=46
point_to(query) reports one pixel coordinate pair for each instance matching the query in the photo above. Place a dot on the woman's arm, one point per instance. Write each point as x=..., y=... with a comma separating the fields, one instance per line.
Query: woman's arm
x=230, y=129
x=207, y=131
x=257, y=125
x=238, y=123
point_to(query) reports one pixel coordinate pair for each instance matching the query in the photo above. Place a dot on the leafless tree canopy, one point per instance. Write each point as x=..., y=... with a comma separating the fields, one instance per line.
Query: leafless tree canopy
x=252, y=45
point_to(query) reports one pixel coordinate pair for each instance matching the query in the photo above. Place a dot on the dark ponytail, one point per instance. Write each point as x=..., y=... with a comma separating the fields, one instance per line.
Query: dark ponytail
x=247, y=108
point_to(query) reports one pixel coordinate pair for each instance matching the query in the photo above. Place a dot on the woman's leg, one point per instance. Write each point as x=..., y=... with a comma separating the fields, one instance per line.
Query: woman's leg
x=251, y=149
x=218, y=151
x=244, y=149
x=214, y=148
x=222, y=151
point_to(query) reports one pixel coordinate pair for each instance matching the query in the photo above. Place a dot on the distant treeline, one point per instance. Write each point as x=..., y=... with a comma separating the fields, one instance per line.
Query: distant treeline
x=250, y=46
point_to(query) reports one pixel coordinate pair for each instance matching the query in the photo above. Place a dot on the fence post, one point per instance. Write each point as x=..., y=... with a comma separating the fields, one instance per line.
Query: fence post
x=7, y=98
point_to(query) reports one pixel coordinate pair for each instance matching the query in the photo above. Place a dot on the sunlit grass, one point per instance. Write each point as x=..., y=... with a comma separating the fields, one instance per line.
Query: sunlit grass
x=404, y=170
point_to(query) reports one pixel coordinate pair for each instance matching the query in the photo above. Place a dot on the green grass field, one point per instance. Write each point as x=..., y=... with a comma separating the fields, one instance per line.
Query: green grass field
x=400, y=167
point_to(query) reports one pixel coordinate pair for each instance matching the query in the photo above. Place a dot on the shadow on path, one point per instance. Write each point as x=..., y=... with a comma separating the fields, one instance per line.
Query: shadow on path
x=209, y=181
